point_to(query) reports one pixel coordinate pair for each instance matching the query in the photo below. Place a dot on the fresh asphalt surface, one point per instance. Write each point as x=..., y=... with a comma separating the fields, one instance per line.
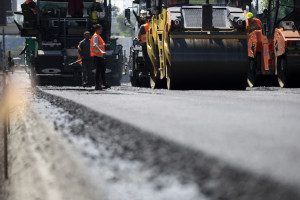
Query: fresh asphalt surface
x=126, y=142
x=256, y=130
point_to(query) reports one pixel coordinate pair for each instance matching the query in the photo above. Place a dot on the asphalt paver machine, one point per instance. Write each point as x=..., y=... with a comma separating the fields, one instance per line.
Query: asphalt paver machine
x=197, y=44
x=275, y=50
x=55, y=35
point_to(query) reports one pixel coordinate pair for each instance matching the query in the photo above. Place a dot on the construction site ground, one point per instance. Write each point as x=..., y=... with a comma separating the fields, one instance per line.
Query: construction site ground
x=139, y=143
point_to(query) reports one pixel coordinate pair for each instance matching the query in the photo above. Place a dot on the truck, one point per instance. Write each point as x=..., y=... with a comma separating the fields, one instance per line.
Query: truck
x=53, y=36
x=275, y=49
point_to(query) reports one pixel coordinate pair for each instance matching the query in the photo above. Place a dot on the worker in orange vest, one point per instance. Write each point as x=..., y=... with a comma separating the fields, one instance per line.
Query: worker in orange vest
x=97, y=49
x=253, y=23
x=31, y=5
x=142, y=36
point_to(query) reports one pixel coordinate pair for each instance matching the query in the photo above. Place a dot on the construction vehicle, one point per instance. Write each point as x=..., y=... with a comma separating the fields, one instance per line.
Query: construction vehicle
x=275, y=50
x=53, y=36
x=197, y=44
x=138, y=72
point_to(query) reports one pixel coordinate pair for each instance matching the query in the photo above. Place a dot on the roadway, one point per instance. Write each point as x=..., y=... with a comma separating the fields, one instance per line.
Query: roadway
x=257, y=129
x=213, y=144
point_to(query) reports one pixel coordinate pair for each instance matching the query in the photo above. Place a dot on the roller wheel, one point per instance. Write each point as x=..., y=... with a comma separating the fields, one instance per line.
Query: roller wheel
x=252, y=75
x=33, y=78
x=281, y=71
x=156, y=82
x=170, y=78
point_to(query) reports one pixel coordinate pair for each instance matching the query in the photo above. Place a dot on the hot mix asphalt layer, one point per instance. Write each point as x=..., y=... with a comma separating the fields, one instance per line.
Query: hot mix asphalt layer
x=117, y=144
x=216, y=179
x=256, y=130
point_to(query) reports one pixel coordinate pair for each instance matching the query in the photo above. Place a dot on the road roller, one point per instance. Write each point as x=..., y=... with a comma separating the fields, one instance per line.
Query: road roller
x=275, y=49
x=197, y=44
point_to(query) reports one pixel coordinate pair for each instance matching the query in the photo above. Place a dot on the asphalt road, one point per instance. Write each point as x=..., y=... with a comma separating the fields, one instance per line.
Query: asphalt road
x=256, y=130
x=139, y=143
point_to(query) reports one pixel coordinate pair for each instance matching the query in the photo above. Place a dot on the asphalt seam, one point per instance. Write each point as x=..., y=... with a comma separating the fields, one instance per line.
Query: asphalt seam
x=216, y=179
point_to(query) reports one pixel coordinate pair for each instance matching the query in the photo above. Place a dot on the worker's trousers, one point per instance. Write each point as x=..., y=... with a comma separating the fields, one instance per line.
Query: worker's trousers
x=86, y=71
x=146, y=58
x=99, y=63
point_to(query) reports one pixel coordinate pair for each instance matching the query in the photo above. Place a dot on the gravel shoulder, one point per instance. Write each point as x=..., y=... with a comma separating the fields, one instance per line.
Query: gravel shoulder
x=41, y=164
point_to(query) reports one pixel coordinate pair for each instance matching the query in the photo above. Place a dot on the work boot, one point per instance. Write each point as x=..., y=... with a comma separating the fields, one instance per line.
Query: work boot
x=98, y=87
x=105, y=86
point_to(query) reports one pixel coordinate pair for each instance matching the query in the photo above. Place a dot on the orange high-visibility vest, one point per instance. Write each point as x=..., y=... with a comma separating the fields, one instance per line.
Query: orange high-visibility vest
x=144, y=36
x=33, y=10
x=93, y=49
x=257, y=21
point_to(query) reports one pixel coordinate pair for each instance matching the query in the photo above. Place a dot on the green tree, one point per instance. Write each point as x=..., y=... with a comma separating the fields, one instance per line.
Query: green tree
x=16, y=51
x=115, y=11
x=263, y=5
x=124, y=30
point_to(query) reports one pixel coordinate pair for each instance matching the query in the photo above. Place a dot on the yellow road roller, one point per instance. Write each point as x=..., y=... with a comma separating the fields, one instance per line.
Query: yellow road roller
x=197, y=44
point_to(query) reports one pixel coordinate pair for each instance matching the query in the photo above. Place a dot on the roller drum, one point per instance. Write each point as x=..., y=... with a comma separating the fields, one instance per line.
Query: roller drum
x=293, y=71
x=208, y=63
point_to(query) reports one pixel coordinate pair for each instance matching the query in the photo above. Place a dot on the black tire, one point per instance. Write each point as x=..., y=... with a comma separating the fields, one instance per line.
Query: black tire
x=252, y=73
x=133, y=82
x=281, y=71
x=170, y=78
x=33, y=78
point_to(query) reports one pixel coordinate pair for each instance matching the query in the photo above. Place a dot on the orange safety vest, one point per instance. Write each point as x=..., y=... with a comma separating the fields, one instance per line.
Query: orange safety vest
x=144, y=36
x=32, y=9
x=93, y=49
x=257, y=21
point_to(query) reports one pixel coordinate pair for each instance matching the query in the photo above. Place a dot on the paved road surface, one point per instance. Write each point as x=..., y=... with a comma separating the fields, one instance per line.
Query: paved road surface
x=256, y=130
x=186, y=144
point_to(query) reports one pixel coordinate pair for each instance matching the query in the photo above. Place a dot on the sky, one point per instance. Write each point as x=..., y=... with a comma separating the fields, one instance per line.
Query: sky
x=122, y=4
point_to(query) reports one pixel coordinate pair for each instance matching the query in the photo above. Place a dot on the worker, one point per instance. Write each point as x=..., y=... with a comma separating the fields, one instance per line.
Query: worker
x=11, y=63
x=142, y=36
x=97, y=48
x=75, y=8
x=31, y=5
x=85, y=56
x=253, y=23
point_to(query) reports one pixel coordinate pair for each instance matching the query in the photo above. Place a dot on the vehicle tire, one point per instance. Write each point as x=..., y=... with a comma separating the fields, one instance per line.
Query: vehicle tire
x=281, y=71
x=170, y=78
x=252, y=73
x=133, y=82
x=33, y=78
